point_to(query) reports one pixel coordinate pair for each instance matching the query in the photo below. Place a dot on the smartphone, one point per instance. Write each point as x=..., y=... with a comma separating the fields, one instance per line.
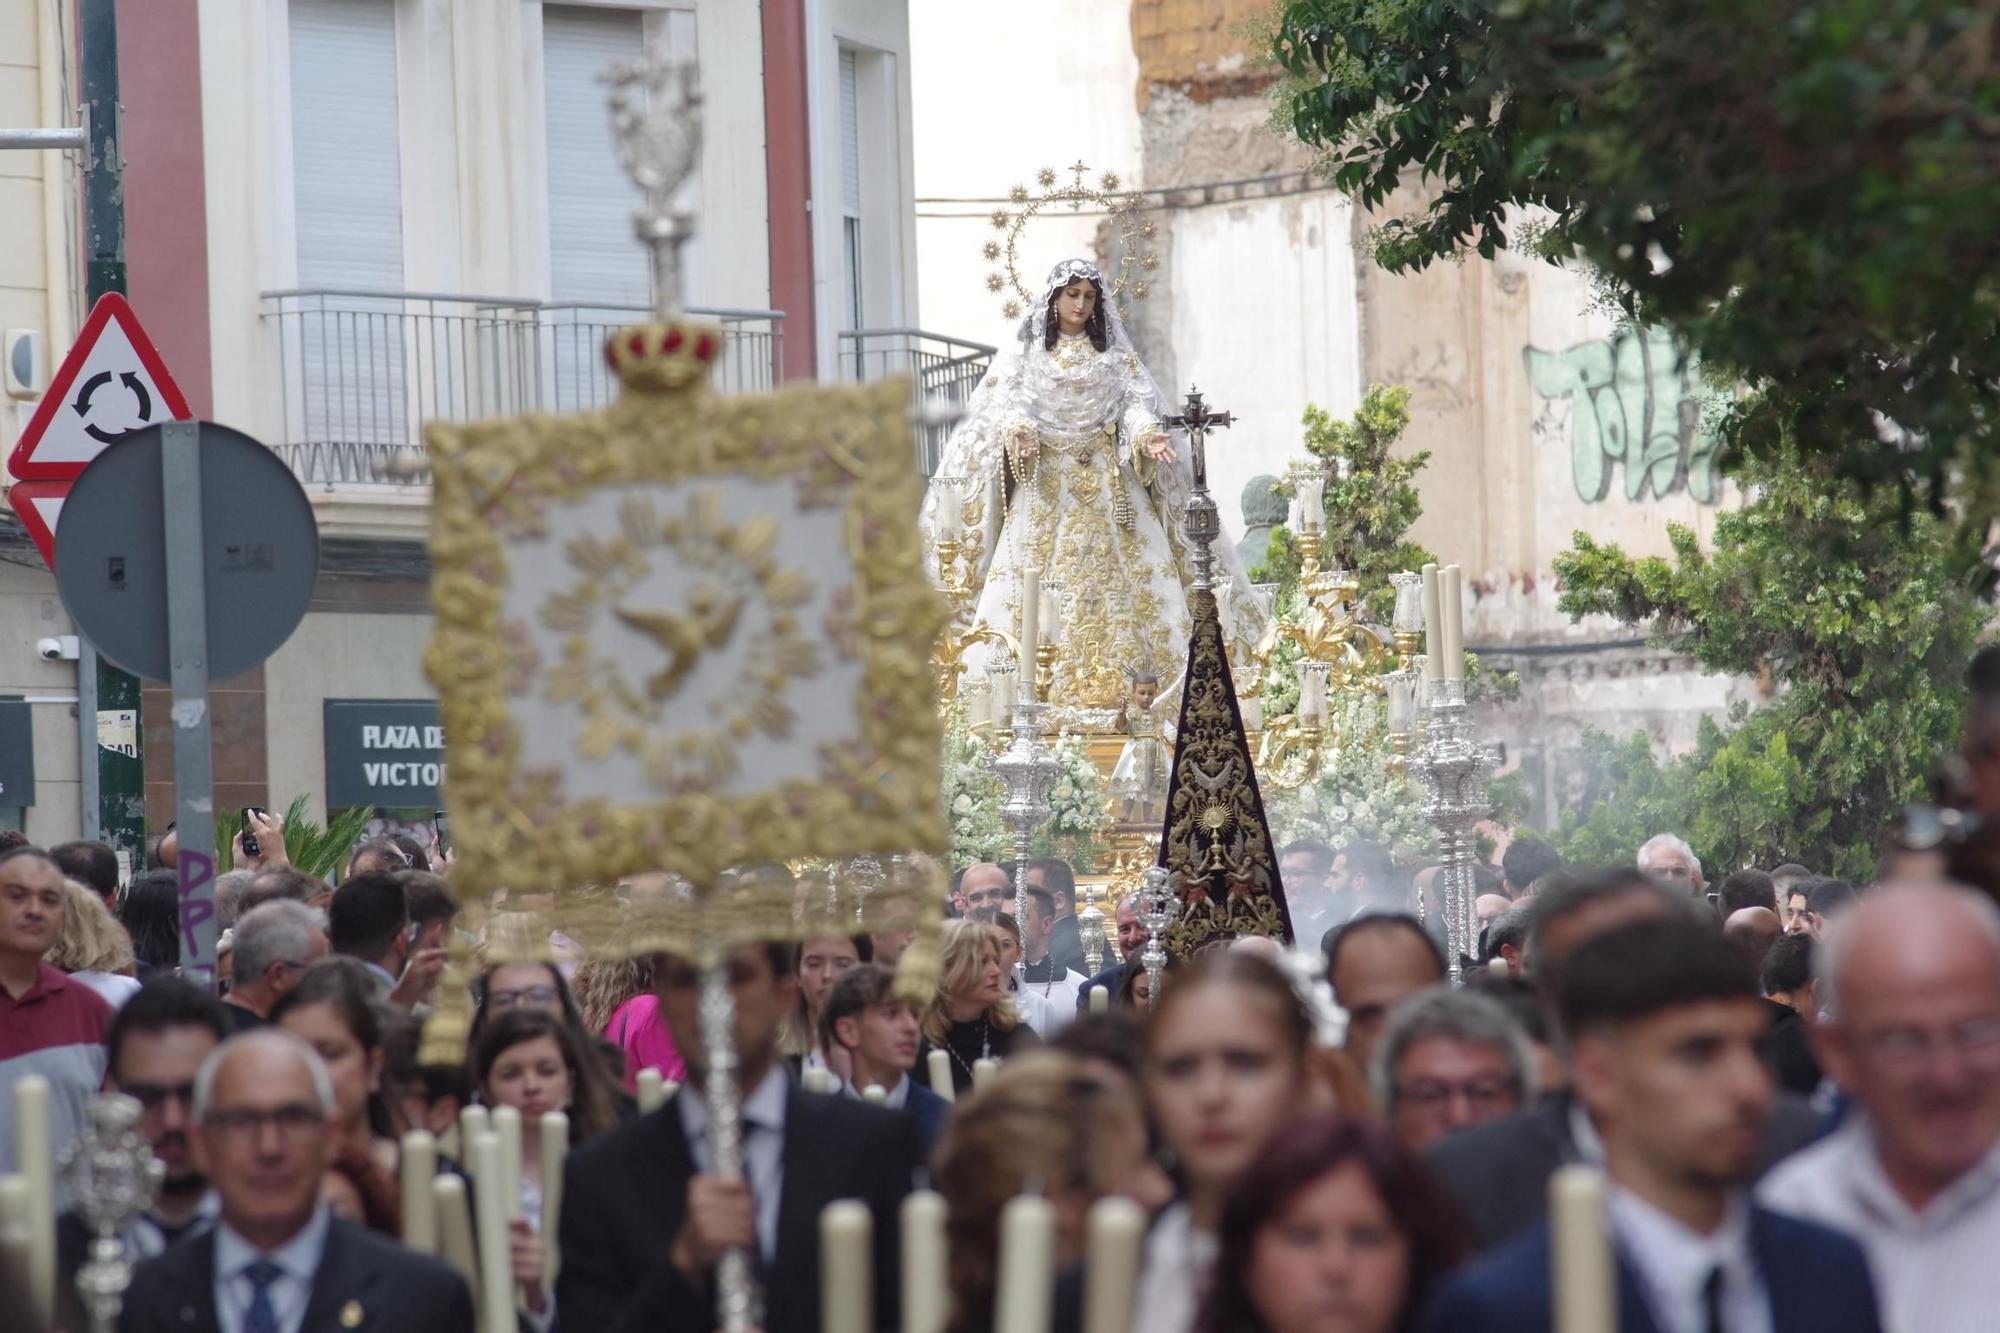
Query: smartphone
x=442, y=823
x=251, y=847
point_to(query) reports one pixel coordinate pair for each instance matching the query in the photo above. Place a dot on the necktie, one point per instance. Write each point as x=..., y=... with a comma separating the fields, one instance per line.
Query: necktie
x=261, y=1317
x=1711, y=1301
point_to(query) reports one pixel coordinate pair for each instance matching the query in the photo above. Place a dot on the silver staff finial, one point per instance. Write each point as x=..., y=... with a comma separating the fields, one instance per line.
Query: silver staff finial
x=656, y=120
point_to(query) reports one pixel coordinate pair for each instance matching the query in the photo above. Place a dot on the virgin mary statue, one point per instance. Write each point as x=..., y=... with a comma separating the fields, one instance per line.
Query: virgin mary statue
x=1066, y=474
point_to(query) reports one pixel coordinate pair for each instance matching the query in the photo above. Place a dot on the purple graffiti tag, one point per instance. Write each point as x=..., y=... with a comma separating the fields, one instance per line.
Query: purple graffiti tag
x=197, y=871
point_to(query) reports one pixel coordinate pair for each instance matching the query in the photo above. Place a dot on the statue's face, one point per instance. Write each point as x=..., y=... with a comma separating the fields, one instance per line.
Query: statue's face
x=1075, y=304
x=1144, y=692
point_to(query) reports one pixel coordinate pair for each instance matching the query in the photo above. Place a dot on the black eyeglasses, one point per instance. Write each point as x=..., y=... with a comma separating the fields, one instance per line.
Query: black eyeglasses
x=294, y=1120
x=152, y=1096
x=507, y=999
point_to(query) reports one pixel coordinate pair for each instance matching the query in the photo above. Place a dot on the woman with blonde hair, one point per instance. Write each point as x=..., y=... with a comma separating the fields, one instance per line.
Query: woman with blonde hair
x=1047, y=1121
x=972, y=1016
x=93, y=947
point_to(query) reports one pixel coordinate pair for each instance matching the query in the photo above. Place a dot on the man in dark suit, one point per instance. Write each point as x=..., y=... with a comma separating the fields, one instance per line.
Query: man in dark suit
x=1131, y=939
x=276, y=1260
x=1065, y=936
x=645, y=1218
x=1499, y=1172
x=1666, y=1033
x=878, y=1030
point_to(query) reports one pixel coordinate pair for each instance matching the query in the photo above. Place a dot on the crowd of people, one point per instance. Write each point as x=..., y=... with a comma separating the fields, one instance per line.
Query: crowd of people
x=1790, y=1083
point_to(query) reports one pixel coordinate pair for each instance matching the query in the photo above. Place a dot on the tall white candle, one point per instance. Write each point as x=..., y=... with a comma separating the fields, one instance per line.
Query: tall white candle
x=17, y=1224
x=473, y=1121
x=496, y=1278
x=979, y=704
x=1114, y=1236
x=1453, y=596
x=950, y=510
x=926, y=1295
x=939, y=1063
x=651, y=1088
x=455, y=1230
x=983, y=1070
x=816, y=1080
x=555, y=1153
x=1433, y=622
x=507, y=1129
x=1051, y=610
x=419, y=1168
x=1002, y=685
x=875, y=1095
x=846, y=1302
x=1100, y=999
x=1312, y=695
x=34, y=1153
x=1312, y=503
x=1586, y=1283
x=1253, y=713
x=1027, y=1265
x=1031, y=635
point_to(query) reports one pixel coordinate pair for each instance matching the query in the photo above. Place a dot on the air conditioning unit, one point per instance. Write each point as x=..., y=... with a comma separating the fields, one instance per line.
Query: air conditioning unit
x=24, y=363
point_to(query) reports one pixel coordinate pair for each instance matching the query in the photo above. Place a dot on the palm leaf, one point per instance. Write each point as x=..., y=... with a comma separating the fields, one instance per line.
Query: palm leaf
x=314, y=850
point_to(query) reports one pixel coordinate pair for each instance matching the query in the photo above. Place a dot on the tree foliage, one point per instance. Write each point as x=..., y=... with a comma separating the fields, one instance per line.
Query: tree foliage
x=1804, y=190
x=1859, y=615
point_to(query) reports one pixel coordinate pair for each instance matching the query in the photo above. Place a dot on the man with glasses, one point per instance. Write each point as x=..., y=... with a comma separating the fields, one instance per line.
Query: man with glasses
x=155, y=1047
x=1449, y=1060
x=1914, y=1038
x=1670, y=859
x=276, y=1260
x=275, y=944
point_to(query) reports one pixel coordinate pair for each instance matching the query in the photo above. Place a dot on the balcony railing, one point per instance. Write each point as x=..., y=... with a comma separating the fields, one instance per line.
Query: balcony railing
x=944, y=369
x=361, y=371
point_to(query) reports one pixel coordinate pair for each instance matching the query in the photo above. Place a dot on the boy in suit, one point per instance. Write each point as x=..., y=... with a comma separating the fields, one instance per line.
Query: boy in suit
x=863, y=1017
x=1667, y=1036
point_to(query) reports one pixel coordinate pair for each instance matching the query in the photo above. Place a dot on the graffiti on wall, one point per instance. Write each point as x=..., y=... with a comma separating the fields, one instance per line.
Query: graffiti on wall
x=1634, y=401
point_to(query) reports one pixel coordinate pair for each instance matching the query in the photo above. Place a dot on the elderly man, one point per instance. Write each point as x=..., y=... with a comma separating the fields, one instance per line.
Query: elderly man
x=1914, y=1038
x=1449, y=1060
x=275, y=944
x=276, y=1259
x=987, y=892
x=1672, y=860
x=1131, y=939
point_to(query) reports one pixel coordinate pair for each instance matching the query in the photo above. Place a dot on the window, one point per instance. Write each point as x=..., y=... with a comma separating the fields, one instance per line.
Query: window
x=850, y=187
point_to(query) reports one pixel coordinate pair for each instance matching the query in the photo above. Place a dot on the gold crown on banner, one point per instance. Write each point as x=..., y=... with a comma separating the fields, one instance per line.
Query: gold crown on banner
x=663, y=357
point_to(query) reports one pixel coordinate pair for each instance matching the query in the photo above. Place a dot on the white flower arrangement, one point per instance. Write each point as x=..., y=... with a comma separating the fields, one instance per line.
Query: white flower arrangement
x=1356, y=796
x=972, y=797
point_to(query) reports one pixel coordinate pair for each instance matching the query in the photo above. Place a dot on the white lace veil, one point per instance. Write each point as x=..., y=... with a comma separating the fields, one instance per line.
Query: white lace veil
x=1035, y=323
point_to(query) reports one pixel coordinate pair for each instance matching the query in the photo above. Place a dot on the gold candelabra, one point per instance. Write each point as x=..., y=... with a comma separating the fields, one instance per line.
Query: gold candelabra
x=963, y=633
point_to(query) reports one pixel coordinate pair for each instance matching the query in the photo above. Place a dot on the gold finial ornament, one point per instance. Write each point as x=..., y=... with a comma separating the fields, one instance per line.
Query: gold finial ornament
x=1106, y=193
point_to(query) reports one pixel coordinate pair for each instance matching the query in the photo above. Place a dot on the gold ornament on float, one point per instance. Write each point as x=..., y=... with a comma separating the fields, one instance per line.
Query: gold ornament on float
x=1106, y=192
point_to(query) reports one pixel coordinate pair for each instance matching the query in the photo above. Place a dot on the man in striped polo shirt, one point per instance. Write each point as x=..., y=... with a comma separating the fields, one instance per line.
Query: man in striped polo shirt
x=49, y=1025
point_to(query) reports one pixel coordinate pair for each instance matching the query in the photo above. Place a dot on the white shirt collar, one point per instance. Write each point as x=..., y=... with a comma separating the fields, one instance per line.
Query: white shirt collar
x=1674, y=1262
x=1875, y=1193
x=299, y=1257
x=764, y=1106
x=1583, y=1132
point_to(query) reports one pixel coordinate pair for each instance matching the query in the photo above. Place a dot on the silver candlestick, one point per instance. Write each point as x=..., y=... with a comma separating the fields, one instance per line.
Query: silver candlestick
x=1090, y=929
x=1028, y=768
x=112, y=1174
x=1452, y=764
x=1156, y=905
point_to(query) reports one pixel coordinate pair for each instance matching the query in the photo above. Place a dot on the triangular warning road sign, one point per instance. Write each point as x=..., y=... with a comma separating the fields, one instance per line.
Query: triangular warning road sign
x=39, y=503
x=111, y=383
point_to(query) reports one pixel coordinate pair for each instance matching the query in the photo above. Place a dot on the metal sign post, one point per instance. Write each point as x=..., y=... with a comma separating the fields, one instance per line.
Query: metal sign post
x=187, y=642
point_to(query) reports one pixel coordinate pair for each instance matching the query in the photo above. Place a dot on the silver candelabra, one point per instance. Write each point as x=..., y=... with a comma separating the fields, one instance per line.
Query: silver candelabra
x=113, y=1176
x=1452, y=764
x=1156, y=905
x=1028, y=768
x=1090, y=928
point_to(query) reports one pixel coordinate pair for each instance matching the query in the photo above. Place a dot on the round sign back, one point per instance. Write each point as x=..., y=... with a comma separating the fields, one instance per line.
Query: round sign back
x=260, y=551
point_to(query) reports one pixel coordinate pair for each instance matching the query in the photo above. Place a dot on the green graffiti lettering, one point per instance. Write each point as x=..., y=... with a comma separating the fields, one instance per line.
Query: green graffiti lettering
x=1636, y=402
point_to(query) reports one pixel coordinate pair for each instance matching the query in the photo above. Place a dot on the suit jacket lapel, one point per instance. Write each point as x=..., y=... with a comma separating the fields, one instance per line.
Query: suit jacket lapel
x=341, y=1275
x=805, y=1190
x=1635, y=1312
x=194, y=1286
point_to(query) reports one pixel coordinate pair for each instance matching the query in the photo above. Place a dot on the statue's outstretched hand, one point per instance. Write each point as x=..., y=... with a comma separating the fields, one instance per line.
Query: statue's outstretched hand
x=1159, y=448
